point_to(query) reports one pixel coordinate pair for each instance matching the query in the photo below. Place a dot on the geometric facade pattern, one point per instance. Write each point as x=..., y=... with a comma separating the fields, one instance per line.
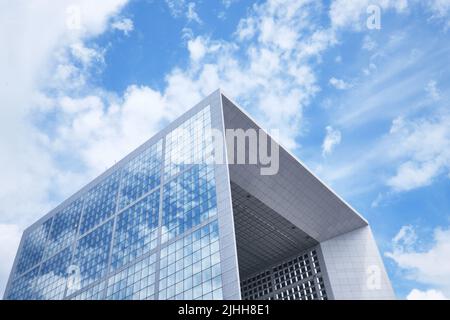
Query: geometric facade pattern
x=299, y=278
x=166, y=222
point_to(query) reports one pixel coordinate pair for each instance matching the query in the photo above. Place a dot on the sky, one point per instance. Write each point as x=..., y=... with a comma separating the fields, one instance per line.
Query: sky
x=359, y=91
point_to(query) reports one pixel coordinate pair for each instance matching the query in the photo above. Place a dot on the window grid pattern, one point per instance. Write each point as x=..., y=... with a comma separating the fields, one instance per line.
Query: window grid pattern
x=190, y=266
x=23, y=288
x=96, y=292
x=33, y=248
x=100, y=202
x=136, y=230
x=300, y=278
x=92, y=255
x=190, y=143
x=141, y=174
x=52, y=280
x=189, y=199
x=136, y=282
x=64, y=228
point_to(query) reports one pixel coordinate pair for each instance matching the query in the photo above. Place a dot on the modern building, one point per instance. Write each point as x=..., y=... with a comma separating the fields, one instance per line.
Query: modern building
x=170, y=221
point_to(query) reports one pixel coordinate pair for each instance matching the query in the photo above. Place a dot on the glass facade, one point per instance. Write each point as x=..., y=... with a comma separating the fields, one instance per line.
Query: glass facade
x=190, y=266
x=146, y=230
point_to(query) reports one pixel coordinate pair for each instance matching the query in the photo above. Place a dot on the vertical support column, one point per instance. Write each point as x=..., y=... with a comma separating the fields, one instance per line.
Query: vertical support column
x=227, y=237
x=160, y=216
x=113, y=233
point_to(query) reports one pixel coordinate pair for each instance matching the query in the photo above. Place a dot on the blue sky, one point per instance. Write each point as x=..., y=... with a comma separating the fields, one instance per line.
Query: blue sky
x=83, y=83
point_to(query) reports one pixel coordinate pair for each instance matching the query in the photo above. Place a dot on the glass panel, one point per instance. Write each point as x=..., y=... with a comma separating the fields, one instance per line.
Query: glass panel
x=92, y=254
x=96, y=292
x=189, y=199
x=136, y=230
x=100, y=202
x=33, y=247
x=23, y=288
x=64, y=228
x=190, y=266
x=188, y=144
x=136, y=282
x=52, y=280
x=141, y=174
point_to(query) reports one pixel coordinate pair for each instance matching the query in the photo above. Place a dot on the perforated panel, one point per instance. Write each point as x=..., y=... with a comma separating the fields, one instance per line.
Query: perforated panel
x=298, y=278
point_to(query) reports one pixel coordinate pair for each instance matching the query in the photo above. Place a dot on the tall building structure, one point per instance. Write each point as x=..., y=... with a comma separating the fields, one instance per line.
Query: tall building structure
x=171, y=221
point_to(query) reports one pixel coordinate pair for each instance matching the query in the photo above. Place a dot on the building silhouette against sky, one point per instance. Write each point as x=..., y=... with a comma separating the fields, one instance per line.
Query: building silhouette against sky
x=166, y=222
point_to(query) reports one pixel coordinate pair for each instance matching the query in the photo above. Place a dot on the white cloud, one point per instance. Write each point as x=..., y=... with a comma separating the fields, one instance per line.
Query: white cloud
x=197, y=48
x=181, y=8
x=176, y=7
x=415, y=151
x=412, y=155
x=268, y=67
x=430, y=294
x=370, y=69
x=191, y=14
x=432, y=90
x=270, y=74
x=411, y=175
x=271, y=71
x=424, y=144
x=405, y=238
x=125, y=25
x=9, y=238
x=345, y=13
x=40, y=40
x=332, y=139
x=440, y=9
x=429, y=266
x=368, y=43
x=86, y=55
x=353, y=14
x=340, y=84
x=228, y=3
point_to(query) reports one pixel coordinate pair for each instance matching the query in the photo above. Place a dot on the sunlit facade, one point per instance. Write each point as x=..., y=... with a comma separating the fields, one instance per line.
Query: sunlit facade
x=166, y=222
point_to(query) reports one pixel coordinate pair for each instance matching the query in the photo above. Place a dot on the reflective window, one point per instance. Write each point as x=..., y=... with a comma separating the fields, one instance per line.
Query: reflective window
x=189, y=199
x=188, y=144
x=96, y=292
x=100, y=202
x=136, y=282
x=52, y=280
x=23, y=288
x=92, y=254
x=67, y=257
x=33, y=247
x=190, y=267
x=141, y=174
x=64, y=227
x=136, y=230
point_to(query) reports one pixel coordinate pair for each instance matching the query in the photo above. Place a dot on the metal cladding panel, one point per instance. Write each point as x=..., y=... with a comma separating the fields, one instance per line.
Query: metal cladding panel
x=294, y=192
x=355, y=269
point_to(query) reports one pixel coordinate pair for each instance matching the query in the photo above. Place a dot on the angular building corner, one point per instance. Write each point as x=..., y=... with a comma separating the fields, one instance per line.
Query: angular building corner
x=171, y=222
